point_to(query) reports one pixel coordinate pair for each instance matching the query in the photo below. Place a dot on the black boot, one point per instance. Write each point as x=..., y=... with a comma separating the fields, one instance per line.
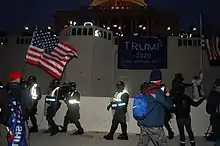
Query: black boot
x=109, y=136
x=54, y=131
x=80, y=130
x=113, y=128
x=182, y=143
x=193, y=143
x=170, y=134
x=33, y=129
x=123, y=136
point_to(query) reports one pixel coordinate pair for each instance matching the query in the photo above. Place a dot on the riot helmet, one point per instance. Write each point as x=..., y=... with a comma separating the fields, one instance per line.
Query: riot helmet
x=31, y=79
x=55, y=82
x=72, y=85
x=120, y=85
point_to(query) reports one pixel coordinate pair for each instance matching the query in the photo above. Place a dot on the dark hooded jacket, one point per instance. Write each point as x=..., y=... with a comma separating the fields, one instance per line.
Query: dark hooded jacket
x=213, y=108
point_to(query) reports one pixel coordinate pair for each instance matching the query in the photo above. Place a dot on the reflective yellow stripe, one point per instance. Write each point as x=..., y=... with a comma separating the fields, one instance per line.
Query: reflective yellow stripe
x=53, y=92
x=117, y=96
x=73, y=101
x=34, y=91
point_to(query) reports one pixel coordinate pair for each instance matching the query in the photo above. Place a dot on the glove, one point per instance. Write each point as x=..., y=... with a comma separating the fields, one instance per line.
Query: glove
x=108, y=107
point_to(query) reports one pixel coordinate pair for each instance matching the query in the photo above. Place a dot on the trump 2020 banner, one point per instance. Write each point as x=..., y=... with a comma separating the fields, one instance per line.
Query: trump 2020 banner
x=142, y=53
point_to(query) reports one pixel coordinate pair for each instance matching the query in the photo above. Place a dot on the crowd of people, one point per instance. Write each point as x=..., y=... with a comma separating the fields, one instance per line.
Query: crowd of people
x=153, y=108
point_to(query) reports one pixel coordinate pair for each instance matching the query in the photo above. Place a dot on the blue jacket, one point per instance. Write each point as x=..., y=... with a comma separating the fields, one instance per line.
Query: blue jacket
x=156, y=106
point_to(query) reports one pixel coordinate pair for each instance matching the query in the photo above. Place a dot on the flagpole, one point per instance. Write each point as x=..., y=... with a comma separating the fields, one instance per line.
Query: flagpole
x=201, y=37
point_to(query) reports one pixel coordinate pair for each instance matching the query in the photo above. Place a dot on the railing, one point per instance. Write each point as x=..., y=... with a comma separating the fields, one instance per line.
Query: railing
x=86, y=31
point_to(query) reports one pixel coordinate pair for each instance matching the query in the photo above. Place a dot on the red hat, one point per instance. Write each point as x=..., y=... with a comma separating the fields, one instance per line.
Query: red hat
x=15, y=75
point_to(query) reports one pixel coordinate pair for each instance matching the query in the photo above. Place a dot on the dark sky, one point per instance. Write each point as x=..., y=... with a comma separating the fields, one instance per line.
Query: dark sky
x=15, y=14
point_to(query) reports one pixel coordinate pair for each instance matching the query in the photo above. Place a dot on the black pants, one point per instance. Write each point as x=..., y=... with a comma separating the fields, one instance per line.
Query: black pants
x=115, y=124
x=31, y=114
x=72, y=116
x=51, y=112
x=185, y=122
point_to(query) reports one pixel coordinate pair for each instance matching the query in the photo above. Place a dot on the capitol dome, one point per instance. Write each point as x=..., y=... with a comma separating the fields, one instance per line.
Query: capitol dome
x=118, y=3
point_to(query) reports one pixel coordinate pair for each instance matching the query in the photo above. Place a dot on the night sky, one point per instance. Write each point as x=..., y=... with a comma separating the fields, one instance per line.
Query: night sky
x=15, y=14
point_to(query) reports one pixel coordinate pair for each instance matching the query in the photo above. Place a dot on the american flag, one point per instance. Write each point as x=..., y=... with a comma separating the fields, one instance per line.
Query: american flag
x=212, y=45
x=49, y=53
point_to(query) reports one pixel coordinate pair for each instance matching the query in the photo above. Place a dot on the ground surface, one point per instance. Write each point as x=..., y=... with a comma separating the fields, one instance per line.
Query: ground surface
x=94, y=139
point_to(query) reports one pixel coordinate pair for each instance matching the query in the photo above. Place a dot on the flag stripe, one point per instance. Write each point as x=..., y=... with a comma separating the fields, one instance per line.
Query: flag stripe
x=212, y=46
x=47, y=52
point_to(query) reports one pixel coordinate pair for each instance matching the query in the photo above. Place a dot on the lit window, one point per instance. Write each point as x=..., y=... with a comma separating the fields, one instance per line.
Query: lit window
x=96, y=33
x=135, y=34
x=115, y=25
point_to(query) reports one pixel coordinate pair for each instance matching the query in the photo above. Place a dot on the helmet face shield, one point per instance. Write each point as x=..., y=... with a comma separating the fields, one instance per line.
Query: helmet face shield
x=120, y=85
x=31, y=79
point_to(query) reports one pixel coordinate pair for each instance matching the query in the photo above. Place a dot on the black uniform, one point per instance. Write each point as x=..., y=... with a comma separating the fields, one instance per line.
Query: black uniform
x=182, y=108
x=53, y=104
x=213, y=108
x=119, y=106
x=34, y=95
x=72, y=114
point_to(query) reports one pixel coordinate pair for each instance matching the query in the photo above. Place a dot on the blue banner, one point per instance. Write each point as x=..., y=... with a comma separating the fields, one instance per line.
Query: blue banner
x=16, y=130
x=142, y=53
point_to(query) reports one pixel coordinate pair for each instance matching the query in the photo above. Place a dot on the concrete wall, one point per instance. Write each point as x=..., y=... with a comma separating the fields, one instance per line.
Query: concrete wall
x=95, y=117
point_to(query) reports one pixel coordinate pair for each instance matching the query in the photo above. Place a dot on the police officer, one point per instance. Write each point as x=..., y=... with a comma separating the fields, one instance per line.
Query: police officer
x=52, y=105
x=119, y=106
x=34, y=93
x=72, y=114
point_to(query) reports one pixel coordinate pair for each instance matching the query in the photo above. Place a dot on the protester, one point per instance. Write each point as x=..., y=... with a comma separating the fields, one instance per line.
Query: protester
x=168, y=113
x=213, y=108
x=182, y=109
x=153, y=124
x=16, y=123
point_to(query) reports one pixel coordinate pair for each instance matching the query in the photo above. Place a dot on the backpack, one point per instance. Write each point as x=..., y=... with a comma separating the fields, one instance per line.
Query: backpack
x=140, y=107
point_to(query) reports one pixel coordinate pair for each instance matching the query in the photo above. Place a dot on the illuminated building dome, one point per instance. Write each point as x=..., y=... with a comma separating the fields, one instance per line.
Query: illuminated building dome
x=118, y=3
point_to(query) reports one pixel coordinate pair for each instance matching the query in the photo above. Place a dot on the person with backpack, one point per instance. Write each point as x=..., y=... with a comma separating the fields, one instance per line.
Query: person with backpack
x=149, y=111
x=213, y=108
x=182, y=108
